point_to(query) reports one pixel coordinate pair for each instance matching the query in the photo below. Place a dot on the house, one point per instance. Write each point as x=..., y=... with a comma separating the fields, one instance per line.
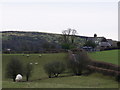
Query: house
x=102, y=43
x=112, y=42
x=105, y=44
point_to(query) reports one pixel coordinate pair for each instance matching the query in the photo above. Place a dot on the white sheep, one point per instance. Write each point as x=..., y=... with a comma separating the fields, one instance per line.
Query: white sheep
x=40, y=55
x=18, y=78
x=36, y=63
x=28, y=55
x=31, y=63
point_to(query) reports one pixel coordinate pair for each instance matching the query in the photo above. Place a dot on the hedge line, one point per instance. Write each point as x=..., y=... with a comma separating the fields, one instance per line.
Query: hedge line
x=105, y=65
x=104, y=71
x=101, y=67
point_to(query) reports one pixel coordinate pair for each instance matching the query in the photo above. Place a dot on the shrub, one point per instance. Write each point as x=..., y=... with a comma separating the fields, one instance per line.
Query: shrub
x=13, y=68
x=65, y=46
x=117, y=78
x=90, y=44
x=78, y=62
x=54, y=68
x=28, y=70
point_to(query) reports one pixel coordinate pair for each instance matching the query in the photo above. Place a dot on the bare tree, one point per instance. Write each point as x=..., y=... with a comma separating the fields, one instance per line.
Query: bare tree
x=69, y=33
x=64, y=36
x=28, y=71
x=73, y=35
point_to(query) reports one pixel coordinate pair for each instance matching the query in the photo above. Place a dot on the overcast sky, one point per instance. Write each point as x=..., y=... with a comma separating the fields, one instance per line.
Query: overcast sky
x=86, y=16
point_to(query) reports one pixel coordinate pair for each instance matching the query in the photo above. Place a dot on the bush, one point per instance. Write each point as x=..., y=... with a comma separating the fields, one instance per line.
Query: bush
x=28, y=70
x=78, y=62
x=90, y=44
x=13, y=68
x=54, y=68
x=117, y=78
x=105, y=65
x=65, y=46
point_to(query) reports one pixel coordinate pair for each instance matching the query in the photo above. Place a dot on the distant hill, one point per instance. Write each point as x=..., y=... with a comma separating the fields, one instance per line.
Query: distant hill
x=35, y=41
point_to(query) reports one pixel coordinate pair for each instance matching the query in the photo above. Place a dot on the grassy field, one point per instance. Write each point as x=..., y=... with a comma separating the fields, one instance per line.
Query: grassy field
x=106, y=56
x=39, y=78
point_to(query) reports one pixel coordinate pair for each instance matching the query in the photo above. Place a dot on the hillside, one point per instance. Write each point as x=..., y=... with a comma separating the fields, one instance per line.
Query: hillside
x=28, y=41
x=31, y=41
x=34, y=41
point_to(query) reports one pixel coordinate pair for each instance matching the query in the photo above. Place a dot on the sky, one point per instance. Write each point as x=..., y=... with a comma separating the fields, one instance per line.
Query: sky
x=54, y=16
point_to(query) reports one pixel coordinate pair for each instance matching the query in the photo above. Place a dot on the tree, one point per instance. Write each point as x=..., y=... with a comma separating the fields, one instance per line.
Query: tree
x=68, y=38
x=13, y=68
x=28, y=71
x=65, y=46
x=78, y=62
x=66, y=34
x=54, y=68
x=73, y=35
x=90, y=44
x=69, y=33
x=95, y=35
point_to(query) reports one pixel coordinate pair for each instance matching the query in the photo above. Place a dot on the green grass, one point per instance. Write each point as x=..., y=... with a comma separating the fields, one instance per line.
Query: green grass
x=92, y=81
x=39, y=78
x=110, y=56
x=38, y=69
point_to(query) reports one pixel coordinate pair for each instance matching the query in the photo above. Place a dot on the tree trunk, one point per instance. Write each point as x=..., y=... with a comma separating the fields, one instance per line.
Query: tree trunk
x=27, y=78
x=79, y=72
x=13, y=79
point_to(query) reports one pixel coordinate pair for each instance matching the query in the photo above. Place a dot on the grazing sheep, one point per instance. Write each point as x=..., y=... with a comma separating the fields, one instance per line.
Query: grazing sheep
x=40, y=55
x=28, y=55
x=18, y=78
x=36, y=63
x=31, y=63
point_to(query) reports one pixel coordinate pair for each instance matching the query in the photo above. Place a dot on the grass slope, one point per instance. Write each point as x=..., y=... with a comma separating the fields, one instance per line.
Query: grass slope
x=110, y=56
x=39, y=78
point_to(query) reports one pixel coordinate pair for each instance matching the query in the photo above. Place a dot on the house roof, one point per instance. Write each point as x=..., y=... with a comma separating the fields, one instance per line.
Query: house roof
x=105, y=44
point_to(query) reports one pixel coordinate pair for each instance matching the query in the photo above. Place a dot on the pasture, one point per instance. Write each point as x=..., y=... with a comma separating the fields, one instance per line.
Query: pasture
x=110, y=56
x=40, y=79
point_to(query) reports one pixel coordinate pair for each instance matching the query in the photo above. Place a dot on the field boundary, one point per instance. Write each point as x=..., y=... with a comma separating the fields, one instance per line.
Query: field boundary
x=100, y=67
